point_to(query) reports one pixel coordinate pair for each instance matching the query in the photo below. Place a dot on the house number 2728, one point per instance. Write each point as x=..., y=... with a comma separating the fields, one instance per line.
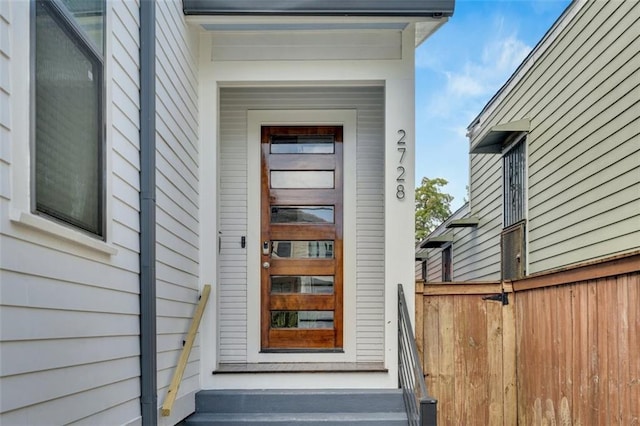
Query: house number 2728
x=402, y=149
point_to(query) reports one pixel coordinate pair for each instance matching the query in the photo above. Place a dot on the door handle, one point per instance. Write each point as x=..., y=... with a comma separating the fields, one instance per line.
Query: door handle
x=266, y=265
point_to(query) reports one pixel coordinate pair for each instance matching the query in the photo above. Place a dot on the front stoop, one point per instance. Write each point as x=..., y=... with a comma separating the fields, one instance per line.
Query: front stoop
x=375, y=407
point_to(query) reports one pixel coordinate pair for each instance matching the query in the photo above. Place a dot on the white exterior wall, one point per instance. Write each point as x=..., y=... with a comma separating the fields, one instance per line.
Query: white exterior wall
x=69, y=303
x=581, y=92
x=177, y=202
x=396, y=76
x=76, y=299
x=369, y=104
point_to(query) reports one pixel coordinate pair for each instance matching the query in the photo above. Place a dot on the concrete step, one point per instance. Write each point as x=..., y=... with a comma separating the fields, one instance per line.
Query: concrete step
x=363, y=407
x=291, y=419
x=300, y=401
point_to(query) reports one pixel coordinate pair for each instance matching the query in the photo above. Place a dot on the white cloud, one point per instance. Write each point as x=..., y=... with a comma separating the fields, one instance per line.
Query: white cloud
x=478, y=78
x=505, y=54
x=464, y=85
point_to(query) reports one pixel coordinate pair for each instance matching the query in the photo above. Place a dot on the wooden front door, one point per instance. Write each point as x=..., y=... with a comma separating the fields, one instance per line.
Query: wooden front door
x=301, y=238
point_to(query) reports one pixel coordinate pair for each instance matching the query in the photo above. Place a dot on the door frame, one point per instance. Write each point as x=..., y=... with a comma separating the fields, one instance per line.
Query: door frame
x=347, y=118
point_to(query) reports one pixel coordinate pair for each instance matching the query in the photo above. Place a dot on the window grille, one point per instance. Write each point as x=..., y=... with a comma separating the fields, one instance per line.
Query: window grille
x=513, y=171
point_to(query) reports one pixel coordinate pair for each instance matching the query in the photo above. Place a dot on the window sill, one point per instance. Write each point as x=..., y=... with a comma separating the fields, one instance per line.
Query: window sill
x=43, y=225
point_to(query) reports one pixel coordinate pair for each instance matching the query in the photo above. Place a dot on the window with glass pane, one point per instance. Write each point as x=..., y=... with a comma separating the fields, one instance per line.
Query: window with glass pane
x=286, y=284
x=302, y=144
x=513, y=171
x=305, y=179
x=302, y=214
x=68, y=149
x=302, y=319
x=302, y=249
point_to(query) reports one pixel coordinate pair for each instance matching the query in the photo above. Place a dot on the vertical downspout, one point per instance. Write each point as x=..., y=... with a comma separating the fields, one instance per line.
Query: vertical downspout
x=148, y=361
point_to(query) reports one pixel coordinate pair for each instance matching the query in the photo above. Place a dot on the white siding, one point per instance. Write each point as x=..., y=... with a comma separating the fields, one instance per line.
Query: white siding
x=178, y=192
x=582, y=95
x=297, y=46
x=233, y=208
x=69, y=314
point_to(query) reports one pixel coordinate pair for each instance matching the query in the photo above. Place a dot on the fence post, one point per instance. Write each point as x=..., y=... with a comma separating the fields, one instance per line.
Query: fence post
x=428, y=412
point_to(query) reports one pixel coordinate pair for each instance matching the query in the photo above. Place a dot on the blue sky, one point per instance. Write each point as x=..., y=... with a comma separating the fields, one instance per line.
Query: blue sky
x=459, y=68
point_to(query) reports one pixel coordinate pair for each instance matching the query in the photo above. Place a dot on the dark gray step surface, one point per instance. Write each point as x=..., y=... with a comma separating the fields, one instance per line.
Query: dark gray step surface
x=288, y=407
x=291, y=419
x=300, y=401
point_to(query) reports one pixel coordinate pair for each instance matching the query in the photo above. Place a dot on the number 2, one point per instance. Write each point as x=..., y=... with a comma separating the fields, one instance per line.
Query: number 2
x=400, y=177
x=401, y=141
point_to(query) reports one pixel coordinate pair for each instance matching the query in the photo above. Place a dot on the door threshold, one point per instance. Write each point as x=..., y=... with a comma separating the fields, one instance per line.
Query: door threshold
x=302, y=367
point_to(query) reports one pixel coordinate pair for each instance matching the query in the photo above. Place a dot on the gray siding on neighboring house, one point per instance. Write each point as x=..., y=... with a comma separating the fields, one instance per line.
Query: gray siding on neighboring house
x=471, y=261
x=68, y=314
x=584, y=195
x=582, y=95
x=479, y=251
x=234, y=103
x=475, y=251
x=5, y=99
x=177, y=211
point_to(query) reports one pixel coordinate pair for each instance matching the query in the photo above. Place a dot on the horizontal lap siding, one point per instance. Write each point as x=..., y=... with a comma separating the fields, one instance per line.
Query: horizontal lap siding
x=477, y=250
x=369, y=224
x=582, y=96
x=591, y=183
x=69, y=316
x=233, y=208
x=177, y=197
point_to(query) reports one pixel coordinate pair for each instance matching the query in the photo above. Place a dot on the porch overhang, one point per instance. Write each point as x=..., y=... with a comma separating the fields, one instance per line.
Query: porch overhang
x=409, y=8
x=437, y=241
x=467, y=222
x=496, y=138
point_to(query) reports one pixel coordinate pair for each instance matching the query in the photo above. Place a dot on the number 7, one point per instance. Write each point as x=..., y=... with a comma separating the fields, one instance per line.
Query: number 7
x=402, y=150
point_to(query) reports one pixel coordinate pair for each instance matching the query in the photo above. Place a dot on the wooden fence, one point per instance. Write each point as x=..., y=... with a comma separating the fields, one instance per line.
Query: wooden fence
x=565, y=350
x=578, y=352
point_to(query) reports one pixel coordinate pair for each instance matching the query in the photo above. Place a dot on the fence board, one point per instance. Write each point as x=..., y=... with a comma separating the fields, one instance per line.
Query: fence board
x=447, y=357
x=633, y=296
x=494, y=361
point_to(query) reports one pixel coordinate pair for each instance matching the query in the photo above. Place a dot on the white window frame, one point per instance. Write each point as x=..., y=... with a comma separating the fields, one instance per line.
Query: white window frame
x=30, y=226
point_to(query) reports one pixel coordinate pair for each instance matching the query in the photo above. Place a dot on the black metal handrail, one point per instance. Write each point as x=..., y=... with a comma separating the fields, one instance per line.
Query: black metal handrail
x=421, y=408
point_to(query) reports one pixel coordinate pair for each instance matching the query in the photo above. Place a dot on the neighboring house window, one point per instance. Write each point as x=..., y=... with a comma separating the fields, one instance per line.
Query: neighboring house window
x=68, y=165
x=513, y=175
x=423, y=269
x=447, y=264
x=512, y=239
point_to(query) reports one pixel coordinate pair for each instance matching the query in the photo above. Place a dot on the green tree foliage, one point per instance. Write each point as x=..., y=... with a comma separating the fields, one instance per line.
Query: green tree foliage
x=432, y=206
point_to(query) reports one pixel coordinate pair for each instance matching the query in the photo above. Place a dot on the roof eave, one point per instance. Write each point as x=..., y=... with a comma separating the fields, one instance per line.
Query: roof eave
x=404, y=8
